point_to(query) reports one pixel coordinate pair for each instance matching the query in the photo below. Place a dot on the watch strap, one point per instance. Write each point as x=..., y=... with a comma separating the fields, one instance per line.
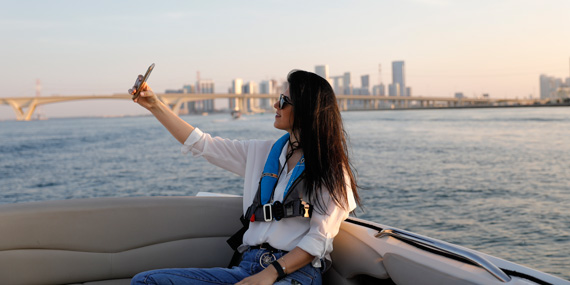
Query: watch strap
x=280, y=272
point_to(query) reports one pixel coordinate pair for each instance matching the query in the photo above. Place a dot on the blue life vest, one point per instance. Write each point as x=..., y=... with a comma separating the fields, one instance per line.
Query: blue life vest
x=263, y=208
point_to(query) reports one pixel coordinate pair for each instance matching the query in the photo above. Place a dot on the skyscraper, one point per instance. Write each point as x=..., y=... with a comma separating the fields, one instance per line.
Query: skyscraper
x=338, y=85
x=365, y=88
x=237, y=85
x=322, y=71
x=266, y=87
x=394, y=89
x=379, y=90
x=206, y=86
x=548, y=86
x=251, y=104
x=554, y=88
x=399, y=76
x=236, y=89
x=347, y=84
x=365, y=79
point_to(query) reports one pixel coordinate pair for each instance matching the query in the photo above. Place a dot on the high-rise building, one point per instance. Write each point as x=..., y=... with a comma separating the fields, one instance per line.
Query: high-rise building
x=251, y=88
x=205, y=86
x=379, y=90
x=549, y=86
x=399, y=77
x=394, y=89
x=189, y=88
x=365, y=86
x=235, y=89
x=188, y=107
x=347, y=84
x=554, y=88
x=338, y=85
x=237, y=85
x=322, y=71
x=365, y=79
x=267, y=87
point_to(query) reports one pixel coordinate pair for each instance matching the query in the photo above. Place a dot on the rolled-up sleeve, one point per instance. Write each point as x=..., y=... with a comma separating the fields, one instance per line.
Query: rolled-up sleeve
x=324, y=227
x=192, y=139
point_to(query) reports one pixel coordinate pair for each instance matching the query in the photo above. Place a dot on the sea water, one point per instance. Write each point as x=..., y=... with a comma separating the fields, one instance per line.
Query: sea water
x=494, y=180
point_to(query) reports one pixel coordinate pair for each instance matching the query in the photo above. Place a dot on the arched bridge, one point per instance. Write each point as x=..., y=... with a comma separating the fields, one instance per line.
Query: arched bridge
x=24, y=107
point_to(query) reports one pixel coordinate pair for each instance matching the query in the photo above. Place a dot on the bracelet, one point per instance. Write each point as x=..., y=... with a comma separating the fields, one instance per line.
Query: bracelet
x=284, y=264
x=281, y=274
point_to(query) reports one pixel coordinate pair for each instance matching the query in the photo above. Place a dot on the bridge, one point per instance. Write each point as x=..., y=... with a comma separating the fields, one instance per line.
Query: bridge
x=24, y=107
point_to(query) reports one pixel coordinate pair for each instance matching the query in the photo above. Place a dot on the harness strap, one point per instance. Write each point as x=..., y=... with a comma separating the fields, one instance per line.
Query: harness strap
x=278, y=211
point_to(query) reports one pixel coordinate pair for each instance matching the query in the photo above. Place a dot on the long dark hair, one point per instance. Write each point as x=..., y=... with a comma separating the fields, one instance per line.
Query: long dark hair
x=318, y=123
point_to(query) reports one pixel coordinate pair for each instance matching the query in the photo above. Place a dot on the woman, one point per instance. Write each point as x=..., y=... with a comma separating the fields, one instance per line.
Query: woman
x=297, y=190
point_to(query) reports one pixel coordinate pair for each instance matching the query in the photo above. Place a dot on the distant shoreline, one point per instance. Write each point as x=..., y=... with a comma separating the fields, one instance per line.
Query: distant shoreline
x=351, y=110
x=464, y=107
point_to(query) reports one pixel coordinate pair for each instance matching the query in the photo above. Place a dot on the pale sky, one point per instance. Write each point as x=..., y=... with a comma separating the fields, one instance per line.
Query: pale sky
x=75, y=47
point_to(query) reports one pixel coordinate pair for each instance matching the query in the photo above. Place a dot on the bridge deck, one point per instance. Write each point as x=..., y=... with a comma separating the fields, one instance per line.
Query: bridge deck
x=175, y=101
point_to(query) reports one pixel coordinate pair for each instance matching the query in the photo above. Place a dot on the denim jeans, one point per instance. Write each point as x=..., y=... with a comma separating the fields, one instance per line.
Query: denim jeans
x=249, y=265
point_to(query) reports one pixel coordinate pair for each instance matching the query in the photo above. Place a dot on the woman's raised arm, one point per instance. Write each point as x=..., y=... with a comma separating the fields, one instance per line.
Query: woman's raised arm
x=179, y=128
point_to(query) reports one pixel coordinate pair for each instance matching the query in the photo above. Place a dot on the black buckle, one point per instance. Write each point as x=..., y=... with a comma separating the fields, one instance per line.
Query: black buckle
x=273, y=211
x=278, y=211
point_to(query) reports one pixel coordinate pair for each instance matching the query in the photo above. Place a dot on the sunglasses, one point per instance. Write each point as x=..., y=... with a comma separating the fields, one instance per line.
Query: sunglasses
x=284, y=100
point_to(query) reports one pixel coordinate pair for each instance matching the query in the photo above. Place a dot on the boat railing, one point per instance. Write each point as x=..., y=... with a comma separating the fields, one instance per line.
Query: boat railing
x=449, y=249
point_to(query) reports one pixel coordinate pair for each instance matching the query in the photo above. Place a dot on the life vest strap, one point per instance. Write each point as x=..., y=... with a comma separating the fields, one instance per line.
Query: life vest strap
x=278, y=211
x=270, y=175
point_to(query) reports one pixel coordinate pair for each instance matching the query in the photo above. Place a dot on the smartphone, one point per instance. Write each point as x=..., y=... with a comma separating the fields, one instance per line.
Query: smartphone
x=139, y=82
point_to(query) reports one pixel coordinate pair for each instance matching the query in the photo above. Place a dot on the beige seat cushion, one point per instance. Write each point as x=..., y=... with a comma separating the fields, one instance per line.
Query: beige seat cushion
x=78, y=241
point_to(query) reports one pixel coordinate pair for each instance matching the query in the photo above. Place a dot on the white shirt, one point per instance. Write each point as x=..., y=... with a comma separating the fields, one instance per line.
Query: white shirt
x=247, y=159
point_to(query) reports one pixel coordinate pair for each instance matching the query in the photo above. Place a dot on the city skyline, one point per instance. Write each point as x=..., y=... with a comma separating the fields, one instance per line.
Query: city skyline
x=475, y=47
x=342, y=85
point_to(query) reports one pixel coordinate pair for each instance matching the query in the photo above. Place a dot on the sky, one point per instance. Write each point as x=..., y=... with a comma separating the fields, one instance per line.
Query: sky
x=499, y=47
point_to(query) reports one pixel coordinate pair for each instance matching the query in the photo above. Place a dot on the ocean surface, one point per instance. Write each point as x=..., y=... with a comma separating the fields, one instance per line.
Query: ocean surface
x=495, y=180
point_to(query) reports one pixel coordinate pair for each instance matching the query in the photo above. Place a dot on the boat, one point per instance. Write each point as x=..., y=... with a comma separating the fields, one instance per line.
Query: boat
x=236, y=114
x=106, y=241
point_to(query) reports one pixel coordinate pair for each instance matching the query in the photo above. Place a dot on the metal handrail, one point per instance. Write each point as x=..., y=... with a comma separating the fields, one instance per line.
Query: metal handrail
x=449, y=249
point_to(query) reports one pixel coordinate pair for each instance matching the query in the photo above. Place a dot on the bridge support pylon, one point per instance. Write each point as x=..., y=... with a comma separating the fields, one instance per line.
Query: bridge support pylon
x=174, y=105
x=19, y=109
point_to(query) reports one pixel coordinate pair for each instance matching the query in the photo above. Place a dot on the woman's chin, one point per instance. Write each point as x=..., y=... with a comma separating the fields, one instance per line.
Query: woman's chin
x=276, y=125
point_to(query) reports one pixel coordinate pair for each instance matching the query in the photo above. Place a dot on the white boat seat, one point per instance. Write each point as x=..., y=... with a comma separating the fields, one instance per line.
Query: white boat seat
x=110, y=239
x=106, y=241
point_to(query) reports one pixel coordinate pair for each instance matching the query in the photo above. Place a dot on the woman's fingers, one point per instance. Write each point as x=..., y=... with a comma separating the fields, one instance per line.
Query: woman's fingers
x=145, y=91
x=145, y=86
x=137, y=84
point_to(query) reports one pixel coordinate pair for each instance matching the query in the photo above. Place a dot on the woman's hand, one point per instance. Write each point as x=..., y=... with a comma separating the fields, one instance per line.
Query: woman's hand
x=146, y=97
x=267, y=276
x=179, y=128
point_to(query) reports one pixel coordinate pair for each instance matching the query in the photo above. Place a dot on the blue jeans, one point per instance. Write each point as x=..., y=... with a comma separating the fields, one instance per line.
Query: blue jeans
x=249, y=265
